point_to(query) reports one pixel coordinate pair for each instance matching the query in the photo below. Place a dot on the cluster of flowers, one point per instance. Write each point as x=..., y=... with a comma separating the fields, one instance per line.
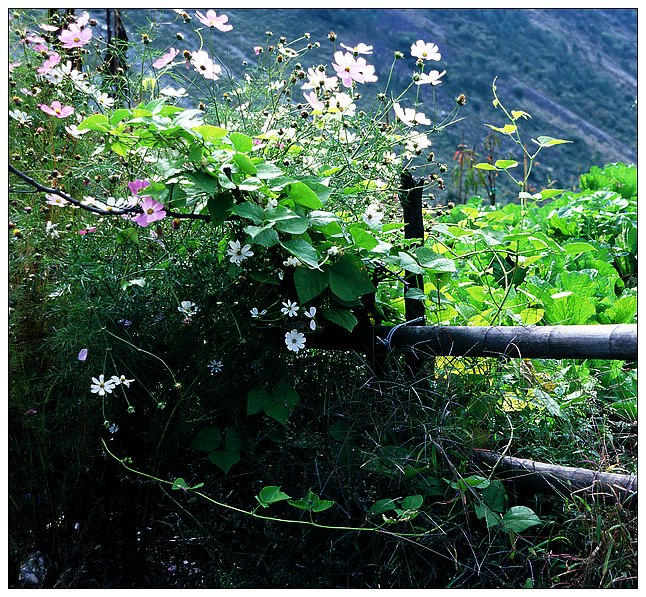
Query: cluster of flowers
x=102, y=386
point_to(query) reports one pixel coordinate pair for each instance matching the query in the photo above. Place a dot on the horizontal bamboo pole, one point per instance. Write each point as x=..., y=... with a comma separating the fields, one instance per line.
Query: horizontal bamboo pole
x=614, y=342
x=565, y=480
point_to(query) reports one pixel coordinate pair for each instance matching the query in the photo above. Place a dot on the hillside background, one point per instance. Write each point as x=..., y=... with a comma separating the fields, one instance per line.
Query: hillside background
x=574, y=71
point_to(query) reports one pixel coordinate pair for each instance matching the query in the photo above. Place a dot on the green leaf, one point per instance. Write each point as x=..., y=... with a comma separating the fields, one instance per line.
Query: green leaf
x=96, y=122
x=434, y=263
x=281, y=403
x=295, y=225
x=340, y=430
x=207, y=439
x=577, y=248
x=544, y=141
x=473, y=481
x=218, y=206
x=623, y=310
x=309, y=283
x=244, y=163
x=256, y=398
x=409, y=263
x=495, y=496
x=312, y=503
x=262, y=235
x=270, y=495
x=242, y=143
x=210, y=132
x=232, y=441
x=516, y=114
x=179, y=484
x=250, y=211
x=267, y=171
x=508, y=129
x=302, y=250
x=119, y=148
x=413, y=502
x=225, y=459
x=301, y=194
x=349, y=278
x=519, y=518
x=504, y=164
x=117, y=116
x=341, y=317
x=415, y=294
x=570, y=309
x=363, y=238
x=204, y=181
x=485, y=166
x=129, y=235
x=252, y=183
x=381, y=506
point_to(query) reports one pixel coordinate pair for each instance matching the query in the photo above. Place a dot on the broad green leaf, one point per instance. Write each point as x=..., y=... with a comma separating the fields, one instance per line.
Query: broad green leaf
x=207, y=439
x=203, y=181
x=381, y=506
x=349, y=278
x=623, y=310
x=569, y=310
x=232, y=440
x=119, y=148
x=413, y=502
x=341, y=317
x=312, y=503
x=218, y=207
x=531, y=315
x=415, y=294
x=267, y=171
x=545, y=141
x=96, y=122
x=627, y=406
x=363, y=238
x=225, y=459
x=495, y=496
x=256, y=398
x=117, y=116
x=485, y=166
x=250, y=211
x=484, y=511
x=210, y=132
x=265, y=235
x=129, y=235
x=252, y=183
x=519, y=518
x=270, y=495
x=473, y=481
x=301, y=194
x=577, y=248
x=434, y=263
x=504, y=164
x=295, y=225
x=242, y=143
x=508, y=129
x=309, y=283
x=302, y=250
x=409, y=263
x=244, y=163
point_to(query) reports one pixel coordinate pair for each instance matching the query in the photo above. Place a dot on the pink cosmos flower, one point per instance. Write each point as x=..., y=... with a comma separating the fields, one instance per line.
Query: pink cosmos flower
x=82, y=354
x=347, y=68
x=213, y=20
x=55, y=200
x=56, y=109
x=87, y=230
x=50, y=28
x=166, y=58
x=257, y=50
x=75, y=37
x=13, y=65
x=136, y=185
x=50, y=63
x=35, y=39
x=152, y=211
x=205, y=66
x=313, y=101
x=317, y=79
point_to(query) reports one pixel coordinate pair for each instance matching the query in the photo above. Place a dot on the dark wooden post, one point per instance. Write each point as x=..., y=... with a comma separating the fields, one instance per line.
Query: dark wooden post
x=411, y=201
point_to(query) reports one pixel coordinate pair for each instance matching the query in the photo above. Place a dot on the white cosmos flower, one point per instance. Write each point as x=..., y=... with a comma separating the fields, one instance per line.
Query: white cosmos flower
x=188, y=308
x=432, y=78
x=101, y=386
x=289, y=308
x=295, y=340
x=237, y=252
x=373, y=217
x=409, y=117
x=255, y=313
x=311, y=313
x=121, y=380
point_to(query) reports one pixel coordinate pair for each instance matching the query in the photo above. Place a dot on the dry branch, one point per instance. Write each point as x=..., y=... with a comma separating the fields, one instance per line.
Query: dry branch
x=561, y=480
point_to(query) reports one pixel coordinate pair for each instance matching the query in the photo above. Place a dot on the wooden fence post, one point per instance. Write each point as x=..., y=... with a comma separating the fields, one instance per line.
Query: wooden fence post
x=411, y=200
